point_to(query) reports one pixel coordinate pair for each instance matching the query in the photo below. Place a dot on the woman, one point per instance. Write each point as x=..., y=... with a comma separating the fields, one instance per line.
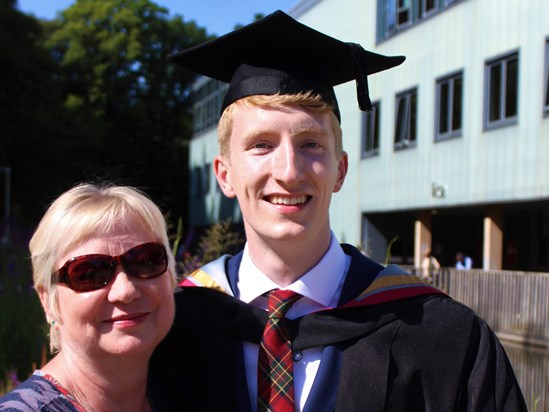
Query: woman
x=105, y=279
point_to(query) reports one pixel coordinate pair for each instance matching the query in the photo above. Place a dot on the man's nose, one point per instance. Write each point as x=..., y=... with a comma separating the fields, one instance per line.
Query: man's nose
x=287, y=164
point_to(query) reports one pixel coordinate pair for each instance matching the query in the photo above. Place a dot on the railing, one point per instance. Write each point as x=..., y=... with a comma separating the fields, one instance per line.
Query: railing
x=515, y=305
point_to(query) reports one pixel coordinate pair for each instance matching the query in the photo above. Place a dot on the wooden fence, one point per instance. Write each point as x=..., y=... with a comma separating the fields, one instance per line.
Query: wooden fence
x=514, y=304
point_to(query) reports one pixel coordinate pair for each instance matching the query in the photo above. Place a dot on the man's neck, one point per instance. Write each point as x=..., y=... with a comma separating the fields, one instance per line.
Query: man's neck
x=284, y=261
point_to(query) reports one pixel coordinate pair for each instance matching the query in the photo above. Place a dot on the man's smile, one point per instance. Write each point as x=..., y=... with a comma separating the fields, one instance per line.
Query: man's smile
x=287, y=200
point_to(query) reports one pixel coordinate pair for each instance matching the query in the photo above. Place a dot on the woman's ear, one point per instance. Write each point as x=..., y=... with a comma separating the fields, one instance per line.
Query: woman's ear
x=222, y=174
x=45, y=301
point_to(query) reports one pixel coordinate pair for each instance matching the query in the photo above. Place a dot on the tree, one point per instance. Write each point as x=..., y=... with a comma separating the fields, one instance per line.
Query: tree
x=31, y=111
x=92, y=97
x=87, y=96
x=131, y=108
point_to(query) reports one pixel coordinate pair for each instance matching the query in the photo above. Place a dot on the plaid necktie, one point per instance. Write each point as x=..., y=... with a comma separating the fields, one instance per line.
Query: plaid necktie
x=275, y=388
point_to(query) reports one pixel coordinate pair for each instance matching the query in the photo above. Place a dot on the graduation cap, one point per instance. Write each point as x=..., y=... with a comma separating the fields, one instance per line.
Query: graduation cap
x=278, y=54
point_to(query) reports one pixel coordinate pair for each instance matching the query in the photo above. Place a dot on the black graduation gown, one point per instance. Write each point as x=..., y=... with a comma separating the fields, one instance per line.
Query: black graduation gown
x=423, y=353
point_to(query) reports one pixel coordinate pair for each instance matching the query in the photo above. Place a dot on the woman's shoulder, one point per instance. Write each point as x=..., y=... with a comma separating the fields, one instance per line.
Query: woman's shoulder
x=35, y=394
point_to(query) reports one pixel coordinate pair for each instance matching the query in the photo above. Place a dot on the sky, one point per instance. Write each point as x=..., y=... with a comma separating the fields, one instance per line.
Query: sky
x=217, y=16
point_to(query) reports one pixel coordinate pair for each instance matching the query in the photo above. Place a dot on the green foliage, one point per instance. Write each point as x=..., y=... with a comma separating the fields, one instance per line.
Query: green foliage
x=134, y=107
x=31, y=113
x=23, y=329
x=388, y=250
x=90, y=96
x=178, y=236
x=219, y=239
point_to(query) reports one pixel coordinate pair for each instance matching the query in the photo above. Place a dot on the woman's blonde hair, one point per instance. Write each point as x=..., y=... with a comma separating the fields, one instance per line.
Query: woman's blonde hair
x=81, y=213
x=308, y=100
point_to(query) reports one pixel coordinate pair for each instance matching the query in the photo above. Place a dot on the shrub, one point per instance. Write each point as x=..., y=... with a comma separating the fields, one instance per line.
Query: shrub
x=23, y=330
x=218, y=239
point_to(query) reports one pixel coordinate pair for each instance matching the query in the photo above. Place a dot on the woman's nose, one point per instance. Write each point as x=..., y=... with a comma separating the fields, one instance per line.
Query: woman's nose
x=123, y=288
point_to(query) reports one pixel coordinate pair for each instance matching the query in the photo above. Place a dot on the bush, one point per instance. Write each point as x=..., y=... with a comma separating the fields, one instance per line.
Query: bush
x=218, y=240
x=23, y=329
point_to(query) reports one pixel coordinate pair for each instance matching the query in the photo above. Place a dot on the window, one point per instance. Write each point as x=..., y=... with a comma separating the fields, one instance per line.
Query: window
x=546, y=89
x=404, y=12
x=207, y=98
x=449, y=101
x=200, y=183
x=501, y=91
x=396, y=15
x=206, y=178
x=370, y=131
x=196, y=182
x=406, y=119
x=426, y=7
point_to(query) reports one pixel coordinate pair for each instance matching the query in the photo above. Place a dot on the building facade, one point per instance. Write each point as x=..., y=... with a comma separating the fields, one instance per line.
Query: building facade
x=455, y=156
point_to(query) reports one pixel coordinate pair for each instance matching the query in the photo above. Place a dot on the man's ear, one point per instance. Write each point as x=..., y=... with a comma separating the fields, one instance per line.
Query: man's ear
x=342, y=168
x=223, y=176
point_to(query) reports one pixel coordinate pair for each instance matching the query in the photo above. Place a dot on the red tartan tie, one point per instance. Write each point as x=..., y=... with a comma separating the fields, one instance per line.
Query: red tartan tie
x=275, y=387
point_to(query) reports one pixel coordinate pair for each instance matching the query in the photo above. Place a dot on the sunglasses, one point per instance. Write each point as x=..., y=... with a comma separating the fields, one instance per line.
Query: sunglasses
x=92, y=272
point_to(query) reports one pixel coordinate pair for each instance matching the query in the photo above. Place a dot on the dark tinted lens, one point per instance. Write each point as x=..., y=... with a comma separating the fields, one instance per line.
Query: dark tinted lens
x=90, y=272
x=146, y=261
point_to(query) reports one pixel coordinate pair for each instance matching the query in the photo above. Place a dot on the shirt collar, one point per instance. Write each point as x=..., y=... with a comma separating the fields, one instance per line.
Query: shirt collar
x=321, y=284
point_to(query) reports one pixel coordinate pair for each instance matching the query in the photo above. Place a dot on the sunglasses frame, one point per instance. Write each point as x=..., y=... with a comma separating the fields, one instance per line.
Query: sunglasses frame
x=62, y=275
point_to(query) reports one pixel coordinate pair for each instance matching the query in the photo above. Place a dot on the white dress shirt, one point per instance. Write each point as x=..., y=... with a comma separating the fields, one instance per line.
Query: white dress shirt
x=321, y=287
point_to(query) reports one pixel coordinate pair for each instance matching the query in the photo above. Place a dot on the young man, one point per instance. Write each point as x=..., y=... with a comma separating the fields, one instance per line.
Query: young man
x=358, y=336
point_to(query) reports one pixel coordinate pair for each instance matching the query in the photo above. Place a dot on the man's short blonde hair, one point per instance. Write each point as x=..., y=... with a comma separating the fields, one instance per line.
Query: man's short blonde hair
x=308, y=101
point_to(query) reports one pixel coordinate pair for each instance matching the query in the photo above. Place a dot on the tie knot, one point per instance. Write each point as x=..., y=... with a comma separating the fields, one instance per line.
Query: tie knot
x=280, y=301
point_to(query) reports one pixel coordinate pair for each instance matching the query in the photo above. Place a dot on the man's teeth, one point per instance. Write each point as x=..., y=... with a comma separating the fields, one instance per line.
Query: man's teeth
x=279, y=200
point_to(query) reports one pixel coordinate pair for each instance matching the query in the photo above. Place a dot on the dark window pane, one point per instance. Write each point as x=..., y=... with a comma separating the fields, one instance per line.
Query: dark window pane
x=456, y=104
x=370, y=139
x=369, y=131
x=376, y=127
x=495, y=92
x=511, y=88
x=401, y=117
x=403, y=11
x=443, y=108
x=403, y=17
x=413, y=116
x=547, y=90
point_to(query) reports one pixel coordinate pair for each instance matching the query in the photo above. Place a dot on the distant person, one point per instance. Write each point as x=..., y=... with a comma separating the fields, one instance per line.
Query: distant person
x=429, y=266
x=105, y=278
x=463, y=262
x=297, y=321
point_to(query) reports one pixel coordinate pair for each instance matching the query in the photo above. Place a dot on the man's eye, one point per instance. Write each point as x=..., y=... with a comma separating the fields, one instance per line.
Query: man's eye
x=261, y=146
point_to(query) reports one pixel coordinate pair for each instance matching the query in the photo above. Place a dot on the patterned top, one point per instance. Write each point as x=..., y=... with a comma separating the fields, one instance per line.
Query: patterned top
x=40, y=393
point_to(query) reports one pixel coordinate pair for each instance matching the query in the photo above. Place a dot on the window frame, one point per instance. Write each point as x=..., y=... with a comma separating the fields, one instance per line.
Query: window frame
x=546, y=80
x=450, y=132
x=489, y=66
x=408, y=133
x=370, y=134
